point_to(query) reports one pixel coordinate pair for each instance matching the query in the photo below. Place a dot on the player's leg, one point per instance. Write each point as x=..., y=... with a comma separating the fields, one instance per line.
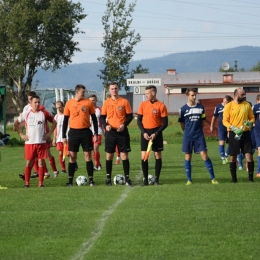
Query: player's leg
x=52, y=162
x=247, y=150
x=42, y=153
x=158, y=148
x=187, y=149
x=123, y=142
x=73, y=143
x=234, y=150
x=200, y=147
x=144, y=164
x=59, y=148
x=87, y=145
x=96, y=153
x=29, y=157
x=117, y=155
x=110, y=144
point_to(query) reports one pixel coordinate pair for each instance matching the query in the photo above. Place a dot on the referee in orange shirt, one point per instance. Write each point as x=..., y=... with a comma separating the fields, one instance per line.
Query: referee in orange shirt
x=116, y=115
x=152, y=120
x=77, y=113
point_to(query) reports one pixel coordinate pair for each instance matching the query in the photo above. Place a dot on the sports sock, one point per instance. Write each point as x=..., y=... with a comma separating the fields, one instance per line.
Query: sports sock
x=209, y=166
x=71, y=171
x=250, y=170
x=45, y=166
x=62, y=163
x=52, y=163
x=98, y=159
x=158, y=167
x=89, y=167
x=41, y=176
x=227, y=152
x=145, y=169
x=109, y=169
x=126, y=167
x=187, y=166
x=233, y=170
x=27, y=174
x=221, y=148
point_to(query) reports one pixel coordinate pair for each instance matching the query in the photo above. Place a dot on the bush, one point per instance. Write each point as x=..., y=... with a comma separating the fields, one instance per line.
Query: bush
x=15, y=142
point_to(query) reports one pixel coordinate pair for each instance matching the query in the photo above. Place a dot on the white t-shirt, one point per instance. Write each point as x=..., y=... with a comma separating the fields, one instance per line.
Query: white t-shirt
x=59, y=119
x=98, y=114
x=36, y=126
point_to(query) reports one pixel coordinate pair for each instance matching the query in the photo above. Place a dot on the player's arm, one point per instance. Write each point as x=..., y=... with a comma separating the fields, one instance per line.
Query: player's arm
x=129, y=118
x=163, y=126
x=226, y=117
x=103, y=120
x=95, y=123
x=65, y=127
x=213, y=120
x=182, y=126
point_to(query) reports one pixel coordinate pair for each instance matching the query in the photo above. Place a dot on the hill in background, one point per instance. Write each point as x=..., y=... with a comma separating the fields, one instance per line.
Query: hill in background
x=199, y=61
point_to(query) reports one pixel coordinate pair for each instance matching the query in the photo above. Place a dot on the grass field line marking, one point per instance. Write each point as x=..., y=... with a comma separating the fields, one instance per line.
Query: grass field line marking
x=96, y=233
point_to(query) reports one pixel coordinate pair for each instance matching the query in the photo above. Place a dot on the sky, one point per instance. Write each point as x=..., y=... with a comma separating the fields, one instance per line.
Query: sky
x=169, y=26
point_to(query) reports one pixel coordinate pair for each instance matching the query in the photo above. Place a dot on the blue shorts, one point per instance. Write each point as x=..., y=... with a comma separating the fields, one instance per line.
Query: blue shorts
x=198, y=146
x=256, y=138
x=222, y=135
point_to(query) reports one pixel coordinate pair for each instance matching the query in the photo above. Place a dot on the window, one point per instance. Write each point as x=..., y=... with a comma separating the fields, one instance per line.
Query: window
x=251, y=89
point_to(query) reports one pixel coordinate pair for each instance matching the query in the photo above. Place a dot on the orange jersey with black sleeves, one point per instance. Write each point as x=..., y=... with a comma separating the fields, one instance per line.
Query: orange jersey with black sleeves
x=79, y=113
x=116, y=110
x=152, y=113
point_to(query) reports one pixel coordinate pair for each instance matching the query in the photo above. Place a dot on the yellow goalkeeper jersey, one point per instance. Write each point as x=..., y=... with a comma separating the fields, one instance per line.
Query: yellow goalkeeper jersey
x=236, y=114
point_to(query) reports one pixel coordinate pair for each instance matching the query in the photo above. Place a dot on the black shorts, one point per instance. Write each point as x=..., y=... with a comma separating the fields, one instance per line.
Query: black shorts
x=77, y=137
x=113, y=138
x=245, y=143
x=157, y=142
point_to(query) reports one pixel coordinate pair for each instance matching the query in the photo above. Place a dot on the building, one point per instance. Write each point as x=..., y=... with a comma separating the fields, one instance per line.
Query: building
x=211, y=87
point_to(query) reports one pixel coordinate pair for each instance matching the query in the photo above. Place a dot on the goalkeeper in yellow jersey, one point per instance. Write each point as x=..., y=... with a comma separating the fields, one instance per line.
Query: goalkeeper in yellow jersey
x=238, y=117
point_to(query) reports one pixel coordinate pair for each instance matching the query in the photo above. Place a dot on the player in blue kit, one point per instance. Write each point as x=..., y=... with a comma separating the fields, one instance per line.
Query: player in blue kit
x=256, y=129
x=222, y=130
x=191, y=117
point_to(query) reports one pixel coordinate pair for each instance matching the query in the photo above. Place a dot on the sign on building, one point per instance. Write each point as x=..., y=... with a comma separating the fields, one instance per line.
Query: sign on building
x=140, y=84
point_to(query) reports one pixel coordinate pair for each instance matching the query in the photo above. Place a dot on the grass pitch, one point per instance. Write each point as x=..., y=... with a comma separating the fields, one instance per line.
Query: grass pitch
x=171, y=221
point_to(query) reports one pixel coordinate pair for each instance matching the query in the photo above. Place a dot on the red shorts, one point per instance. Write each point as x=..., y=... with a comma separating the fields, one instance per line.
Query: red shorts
x=33, y=151
x=59, y=146
x=99, y=140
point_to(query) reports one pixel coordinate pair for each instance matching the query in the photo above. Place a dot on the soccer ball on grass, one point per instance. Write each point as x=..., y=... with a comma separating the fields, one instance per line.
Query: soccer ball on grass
x=151, y=179
x=81, y=180
x=119, y=179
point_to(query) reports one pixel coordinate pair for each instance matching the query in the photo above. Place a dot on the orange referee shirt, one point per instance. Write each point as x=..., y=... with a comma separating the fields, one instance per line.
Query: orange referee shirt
x=79, y=112
x=116, y=111
x=152, y=113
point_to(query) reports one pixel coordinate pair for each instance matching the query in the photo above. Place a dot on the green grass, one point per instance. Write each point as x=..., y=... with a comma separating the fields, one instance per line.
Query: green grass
x=171, y=221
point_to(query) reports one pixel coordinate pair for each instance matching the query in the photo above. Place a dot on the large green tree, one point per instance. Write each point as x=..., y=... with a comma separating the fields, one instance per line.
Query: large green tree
x=119, y=41
x=33, y=34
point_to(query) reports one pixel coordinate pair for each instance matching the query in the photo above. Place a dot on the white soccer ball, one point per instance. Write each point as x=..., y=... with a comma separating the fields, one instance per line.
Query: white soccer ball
x=151, y=179
x=119, y=179
x=81, y=180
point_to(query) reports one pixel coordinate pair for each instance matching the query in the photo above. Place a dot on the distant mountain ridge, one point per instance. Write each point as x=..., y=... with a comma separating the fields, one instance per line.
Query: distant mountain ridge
x=198, y=61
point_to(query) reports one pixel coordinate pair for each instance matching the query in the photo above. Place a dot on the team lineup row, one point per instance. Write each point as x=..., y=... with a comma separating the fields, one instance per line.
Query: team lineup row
x=80, y=125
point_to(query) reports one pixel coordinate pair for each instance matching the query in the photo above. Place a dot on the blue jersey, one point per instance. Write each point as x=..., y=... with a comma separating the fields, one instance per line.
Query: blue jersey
x=192, y=117
x=256, y=111
x=218, y=112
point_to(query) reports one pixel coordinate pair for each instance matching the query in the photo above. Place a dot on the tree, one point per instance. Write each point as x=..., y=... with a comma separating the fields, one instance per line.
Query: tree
x=35, y=33
x=256, y=67
x=118, y=43
x=138, y=70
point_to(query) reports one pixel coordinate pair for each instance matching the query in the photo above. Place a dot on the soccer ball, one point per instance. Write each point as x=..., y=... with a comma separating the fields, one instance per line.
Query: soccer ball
x=119, y=179
x=151, y=179
x=81, y=180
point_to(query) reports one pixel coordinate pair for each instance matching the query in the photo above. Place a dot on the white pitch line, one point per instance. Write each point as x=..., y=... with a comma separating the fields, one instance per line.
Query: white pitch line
x=96, y=233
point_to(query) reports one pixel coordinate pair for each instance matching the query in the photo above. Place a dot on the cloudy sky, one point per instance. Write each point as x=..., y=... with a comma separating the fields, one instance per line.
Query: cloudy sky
x=169, y=26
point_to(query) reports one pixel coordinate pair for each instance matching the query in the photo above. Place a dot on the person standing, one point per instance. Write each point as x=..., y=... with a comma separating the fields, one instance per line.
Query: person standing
x=35, y=138
x=238, y=118
x=57, y=136
x=116, y=115
x=96, y=154
x=77, y=114
x=152, y=119
x=222, y=130
x=191, y=117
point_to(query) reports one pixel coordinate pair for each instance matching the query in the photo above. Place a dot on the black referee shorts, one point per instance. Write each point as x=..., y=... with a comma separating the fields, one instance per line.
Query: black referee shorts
x=157, y=142
x=245, y=143
x=77, y=137
x=113, y=138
